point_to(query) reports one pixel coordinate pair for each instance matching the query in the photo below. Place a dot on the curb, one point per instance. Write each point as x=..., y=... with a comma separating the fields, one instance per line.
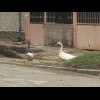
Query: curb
x=84, y=71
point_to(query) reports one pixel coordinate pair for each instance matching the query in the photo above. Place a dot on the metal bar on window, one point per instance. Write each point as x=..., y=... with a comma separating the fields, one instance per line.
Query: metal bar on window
x=99, y=17
x=45, y=17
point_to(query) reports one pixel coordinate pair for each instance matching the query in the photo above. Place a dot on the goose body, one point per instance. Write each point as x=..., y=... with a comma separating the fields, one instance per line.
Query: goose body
x=63, y=55
x=29, y=56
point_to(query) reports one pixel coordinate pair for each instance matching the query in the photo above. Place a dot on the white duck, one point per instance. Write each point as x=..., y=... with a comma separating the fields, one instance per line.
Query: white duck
x=29, y=56
x=63, y=55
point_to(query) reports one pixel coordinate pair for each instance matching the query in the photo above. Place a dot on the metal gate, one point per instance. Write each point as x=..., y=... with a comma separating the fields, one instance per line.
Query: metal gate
x=46, y=26
x=88, y=30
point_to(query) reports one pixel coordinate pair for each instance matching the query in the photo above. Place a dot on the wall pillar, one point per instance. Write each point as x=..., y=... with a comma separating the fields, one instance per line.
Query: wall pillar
x=75, y=28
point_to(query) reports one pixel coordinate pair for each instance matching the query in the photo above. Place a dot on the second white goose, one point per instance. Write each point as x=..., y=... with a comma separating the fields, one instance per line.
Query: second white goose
x=63, y=55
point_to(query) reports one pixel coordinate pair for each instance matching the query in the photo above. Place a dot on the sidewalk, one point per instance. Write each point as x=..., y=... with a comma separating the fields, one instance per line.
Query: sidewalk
x=37, y=65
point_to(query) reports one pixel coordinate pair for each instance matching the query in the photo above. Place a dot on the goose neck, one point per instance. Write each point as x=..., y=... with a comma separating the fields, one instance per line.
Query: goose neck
x=61, y=48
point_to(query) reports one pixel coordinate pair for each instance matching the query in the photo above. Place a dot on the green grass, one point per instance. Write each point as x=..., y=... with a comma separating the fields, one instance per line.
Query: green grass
x=91, y=61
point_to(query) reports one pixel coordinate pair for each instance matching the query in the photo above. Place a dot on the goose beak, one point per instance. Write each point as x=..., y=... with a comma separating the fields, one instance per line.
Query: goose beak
x=56, y=44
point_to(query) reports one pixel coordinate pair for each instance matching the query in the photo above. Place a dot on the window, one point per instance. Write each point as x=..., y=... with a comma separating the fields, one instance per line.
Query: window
x=36, y=17
x=88, y=17
x=60, y=17
x=52, y=17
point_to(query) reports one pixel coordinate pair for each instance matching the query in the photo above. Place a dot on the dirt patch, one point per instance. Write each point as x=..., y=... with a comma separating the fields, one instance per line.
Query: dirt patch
x=47, y=52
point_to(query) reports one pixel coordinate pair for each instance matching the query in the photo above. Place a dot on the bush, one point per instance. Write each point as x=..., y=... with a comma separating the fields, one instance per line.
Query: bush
x=8, y=53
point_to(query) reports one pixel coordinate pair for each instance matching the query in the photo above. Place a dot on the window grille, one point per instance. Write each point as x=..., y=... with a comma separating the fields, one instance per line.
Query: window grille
x=52, y=17
x=60, y=17
x=88, y=17
x=36, y=17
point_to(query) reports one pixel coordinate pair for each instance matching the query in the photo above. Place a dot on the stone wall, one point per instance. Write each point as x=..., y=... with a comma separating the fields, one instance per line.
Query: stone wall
x=58, y=32
x=9, y=26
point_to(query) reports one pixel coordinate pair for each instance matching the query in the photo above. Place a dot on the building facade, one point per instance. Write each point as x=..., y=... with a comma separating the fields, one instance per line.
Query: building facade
x=73, y=29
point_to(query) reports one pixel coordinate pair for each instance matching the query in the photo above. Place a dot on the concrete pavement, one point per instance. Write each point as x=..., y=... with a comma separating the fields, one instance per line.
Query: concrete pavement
x=12, y=75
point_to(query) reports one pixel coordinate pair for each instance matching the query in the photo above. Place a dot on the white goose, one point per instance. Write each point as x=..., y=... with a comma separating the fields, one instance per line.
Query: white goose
x=29, y=56
x=63, y=55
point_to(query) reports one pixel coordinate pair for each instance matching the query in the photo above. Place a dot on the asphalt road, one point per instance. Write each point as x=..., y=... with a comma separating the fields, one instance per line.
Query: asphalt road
x=20, y=76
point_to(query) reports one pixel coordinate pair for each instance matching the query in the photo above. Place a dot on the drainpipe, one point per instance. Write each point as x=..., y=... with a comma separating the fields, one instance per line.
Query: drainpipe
x=19, y=37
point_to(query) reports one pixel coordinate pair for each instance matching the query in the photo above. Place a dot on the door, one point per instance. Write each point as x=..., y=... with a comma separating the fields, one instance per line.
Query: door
x=36, y=28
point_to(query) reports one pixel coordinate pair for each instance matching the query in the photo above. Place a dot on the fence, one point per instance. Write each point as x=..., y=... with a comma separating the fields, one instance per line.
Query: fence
x=10, y=37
